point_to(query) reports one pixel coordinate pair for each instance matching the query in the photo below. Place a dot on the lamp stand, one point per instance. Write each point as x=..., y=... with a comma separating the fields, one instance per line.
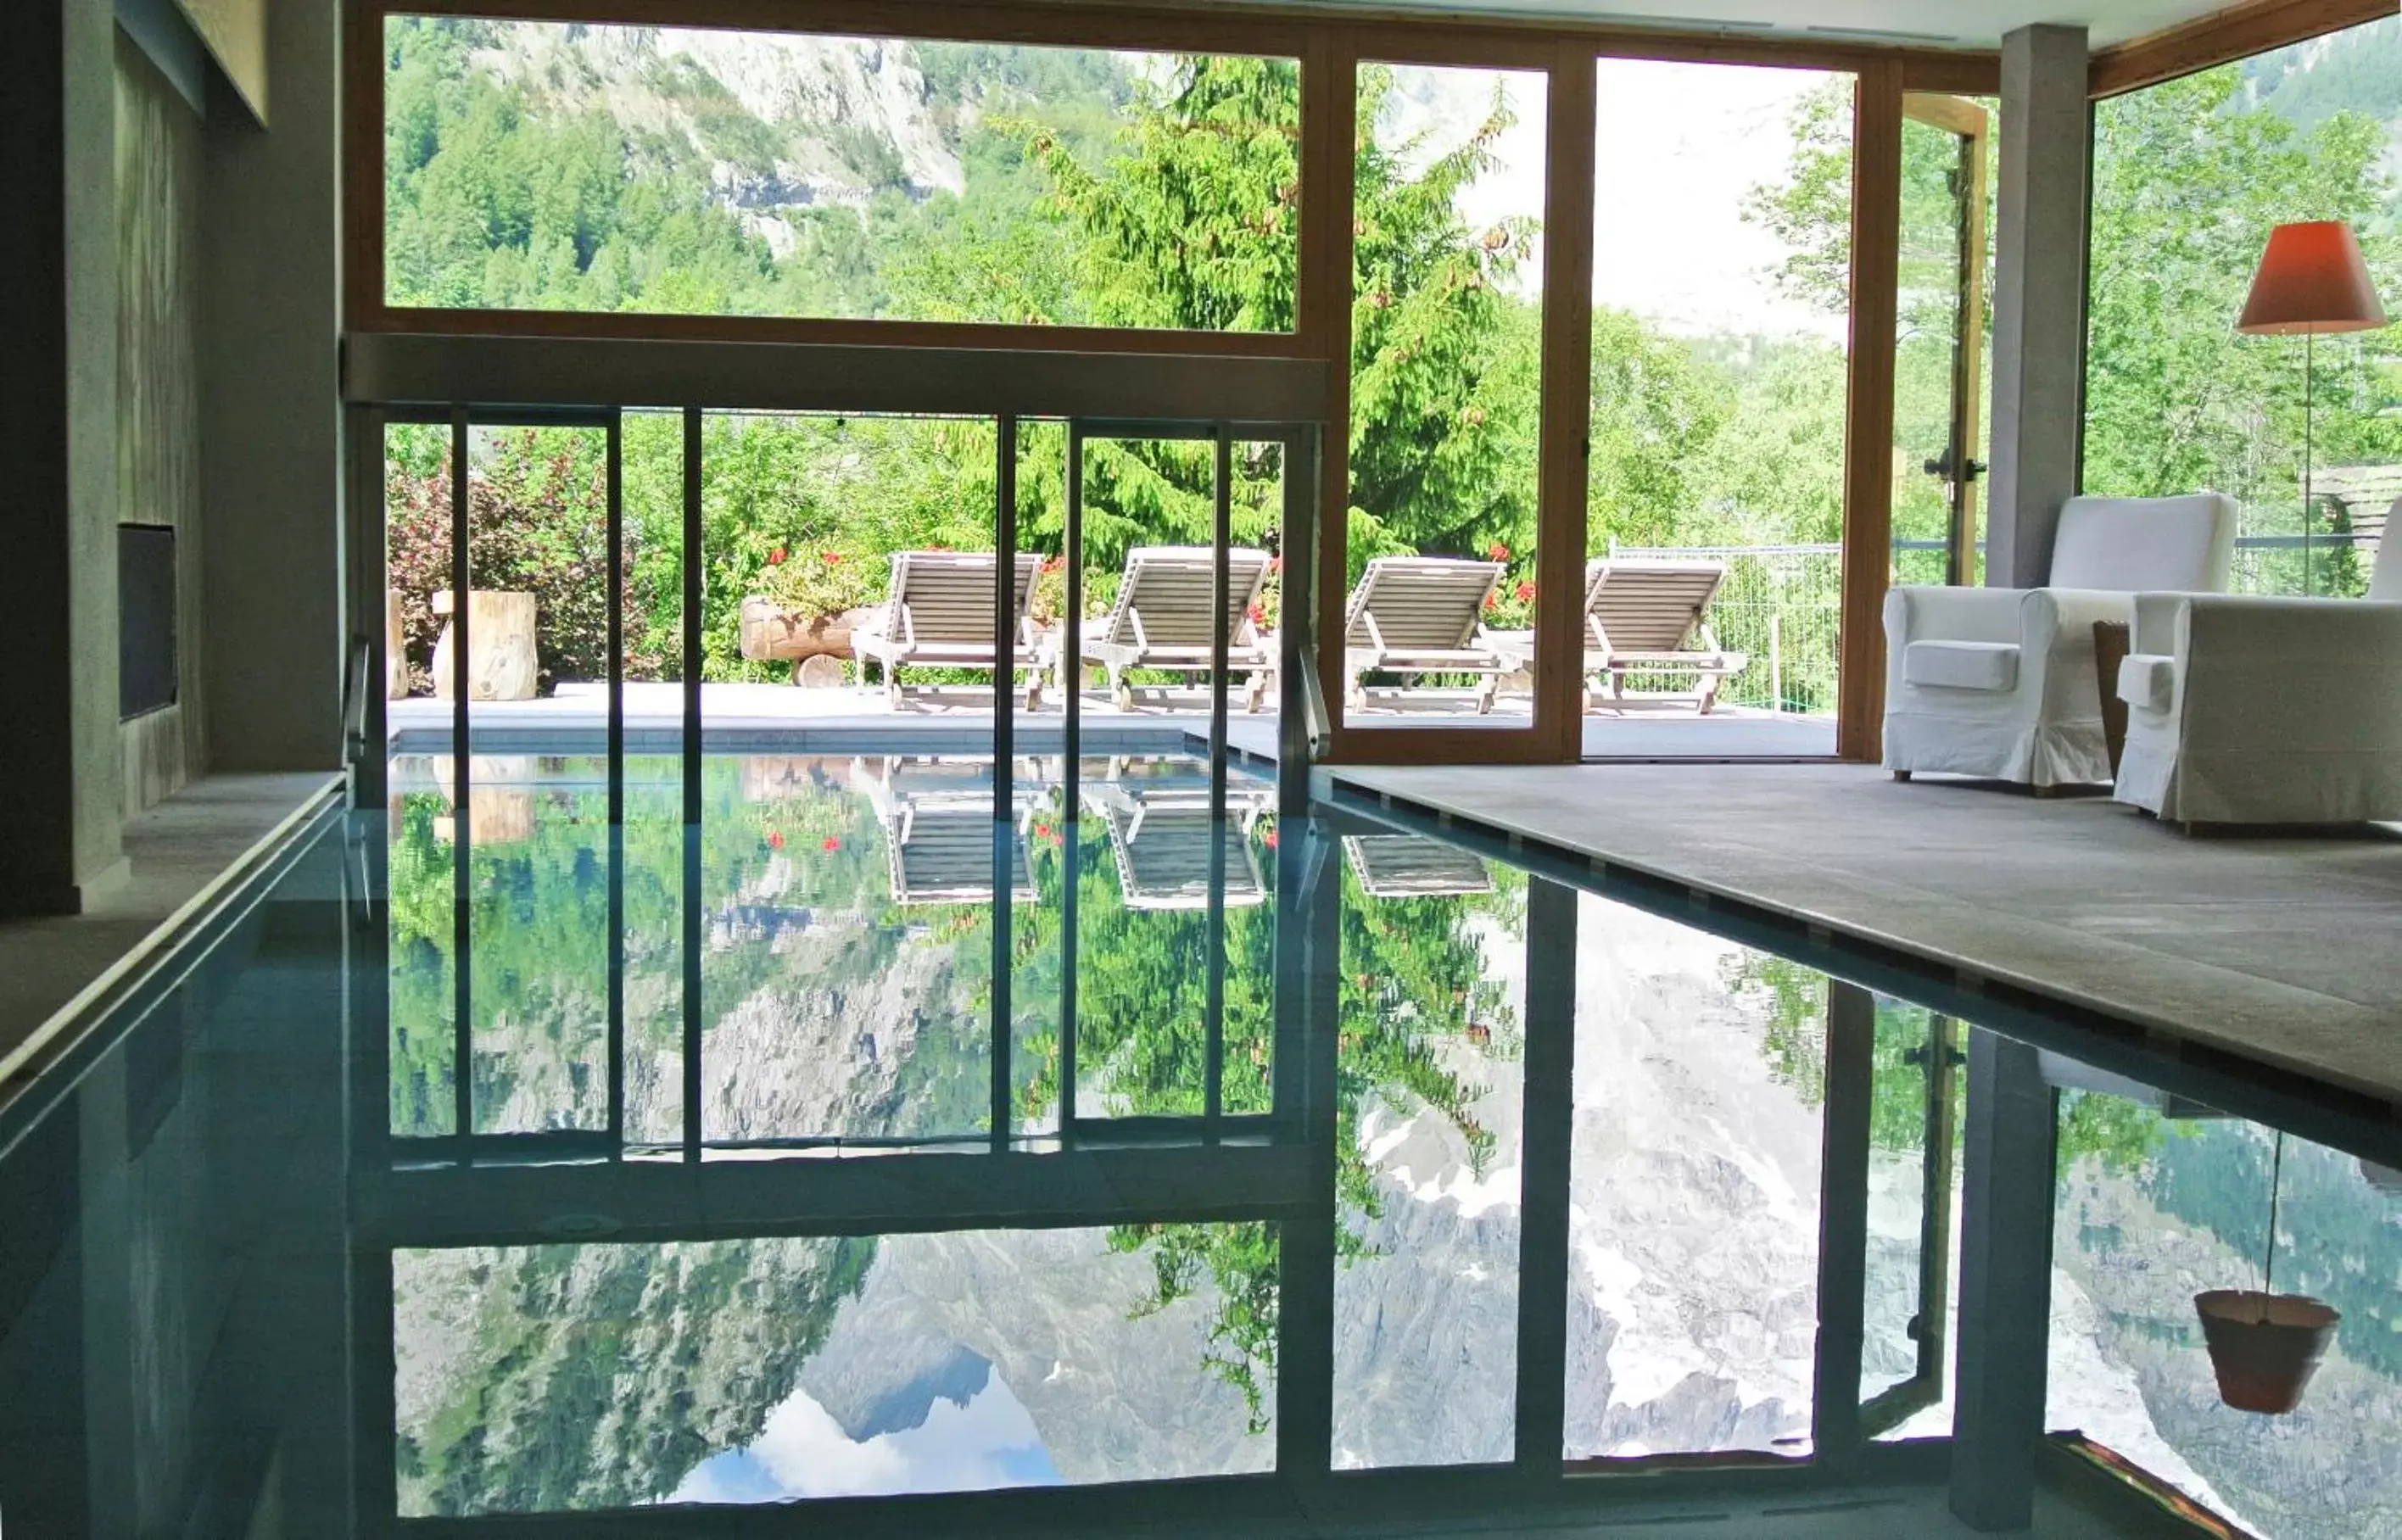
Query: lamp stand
x=2310, y=390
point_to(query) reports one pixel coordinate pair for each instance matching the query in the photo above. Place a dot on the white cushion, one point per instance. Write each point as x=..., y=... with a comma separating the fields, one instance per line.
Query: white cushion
x=2148, y=680
x=2130, y=544
x=1962, y=665
x=2384, y=576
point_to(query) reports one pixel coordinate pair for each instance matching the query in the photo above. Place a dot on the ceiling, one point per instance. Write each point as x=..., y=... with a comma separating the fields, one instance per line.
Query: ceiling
x=1933, y=24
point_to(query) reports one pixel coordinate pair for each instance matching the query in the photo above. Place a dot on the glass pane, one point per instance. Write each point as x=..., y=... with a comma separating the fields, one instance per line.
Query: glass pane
x=1721, y=319
x=2303, y=132
x=656, y=835
x=536, y=821
x=423, y=873
x=1445, y=374
x=2160, y=1199
x=1694, y=1191
x=1428, y=1151
x=762, y=1371
x=572, y=166
x=1928, y=356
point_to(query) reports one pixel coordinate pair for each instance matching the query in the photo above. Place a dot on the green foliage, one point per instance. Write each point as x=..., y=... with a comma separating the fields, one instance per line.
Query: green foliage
x=1445, y=356
x=1240, y=1261
x=2188, y=179
x=1092, y=197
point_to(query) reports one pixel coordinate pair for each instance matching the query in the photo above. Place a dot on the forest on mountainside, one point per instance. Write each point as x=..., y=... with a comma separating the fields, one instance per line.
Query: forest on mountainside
x=548, y=167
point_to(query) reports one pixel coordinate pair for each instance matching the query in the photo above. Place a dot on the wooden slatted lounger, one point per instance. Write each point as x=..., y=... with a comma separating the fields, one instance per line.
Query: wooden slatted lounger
x=1423, y=615
x=1161, y=620
x=939, y=614
x=1652, y=617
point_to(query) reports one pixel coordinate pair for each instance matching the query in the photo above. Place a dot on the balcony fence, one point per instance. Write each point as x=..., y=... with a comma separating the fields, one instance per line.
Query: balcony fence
x=1780, y=604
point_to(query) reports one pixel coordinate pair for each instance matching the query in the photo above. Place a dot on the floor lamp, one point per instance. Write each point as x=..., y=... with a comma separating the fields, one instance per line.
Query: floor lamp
x=2312, y=281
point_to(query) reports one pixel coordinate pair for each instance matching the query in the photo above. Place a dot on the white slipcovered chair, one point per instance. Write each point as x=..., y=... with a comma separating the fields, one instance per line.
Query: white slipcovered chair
x=1999, y=682
x=2243, y=708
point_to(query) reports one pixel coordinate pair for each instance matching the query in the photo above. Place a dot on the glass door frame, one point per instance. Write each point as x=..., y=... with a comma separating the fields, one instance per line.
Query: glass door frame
x=1298, y=443
x=1971, y=125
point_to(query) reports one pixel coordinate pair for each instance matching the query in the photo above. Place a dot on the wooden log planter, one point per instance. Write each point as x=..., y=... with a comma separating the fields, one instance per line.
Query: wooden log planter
x=814, y=645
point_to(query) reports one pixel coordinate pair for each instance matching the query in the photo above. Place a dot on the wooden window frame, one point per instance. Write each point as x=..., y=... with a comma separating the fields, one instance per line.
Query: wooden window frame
x=2239, y=31
x=1329, y=49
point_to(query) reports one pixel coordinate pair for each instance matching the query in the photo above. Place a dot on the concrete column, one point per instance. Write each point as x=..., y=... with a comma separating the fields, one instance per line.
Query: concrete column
x=1547, y=1161
x=2006, y=1196
x=2039, y=300
x=61, y=844
x=271, y=415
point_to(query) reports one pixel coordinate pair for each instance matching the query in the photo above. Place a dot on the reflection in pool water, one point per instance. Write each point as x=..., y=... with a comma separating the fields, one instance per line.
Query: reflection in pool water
x=1313, y=1143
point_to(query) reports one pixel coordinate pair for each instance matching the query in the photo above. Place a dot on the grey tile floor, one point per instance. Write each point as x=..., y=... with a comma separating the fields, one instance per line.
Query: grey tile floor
x=174, y=850
x=2279, y=948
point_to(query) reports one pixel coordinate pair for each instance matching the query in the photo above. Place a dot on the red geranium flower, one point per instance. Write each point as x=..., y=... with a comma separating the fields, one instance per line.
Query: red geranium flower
x=1256, y=615
x=1497, y=552
x=1276, y=564
x=831, y=844
x=833, y=558
x=1525, y=593
x=1493, y=601
x=1270, y=836
x=776, y=557
x=1043, y=831
x=775, y=841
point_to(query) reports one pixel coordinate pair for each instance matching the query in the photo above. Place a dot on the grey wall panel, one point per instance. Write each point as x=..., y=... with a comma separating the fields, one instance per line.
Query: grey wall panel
x=271, y=415
x=159, y=152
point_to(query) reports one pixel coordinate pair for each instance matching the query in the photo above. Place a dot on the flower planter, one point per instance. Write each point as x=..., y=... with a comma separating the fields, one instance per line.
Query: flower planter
x=2264, y=1347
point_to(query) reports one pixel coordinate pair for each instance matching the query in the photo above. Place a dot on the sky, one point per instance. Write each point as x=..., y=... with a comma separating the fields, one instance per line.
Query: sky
x=801, y=1452
x=1678, y=148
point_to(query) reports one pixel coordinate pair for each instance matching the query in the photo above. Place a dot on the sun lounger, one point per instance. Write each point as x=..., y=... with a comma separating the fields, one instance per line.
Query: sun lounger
x=1652, y=617
x=1161, y=839
x=1423, y=615
x=939, y=614
x=938, y=828
x=1407, y=866
x=1161, y=619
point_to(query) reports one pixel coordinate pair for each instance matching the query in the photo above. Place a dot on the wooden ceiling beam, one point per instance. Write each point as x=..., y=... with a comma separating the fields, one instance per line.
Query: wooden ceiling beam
x=2238, y=32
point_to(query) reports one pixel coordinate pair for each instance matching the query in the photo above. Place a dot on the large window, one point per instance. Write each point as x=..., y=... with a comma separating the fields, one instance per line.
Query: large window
x=552, y=165
x=2188, y=178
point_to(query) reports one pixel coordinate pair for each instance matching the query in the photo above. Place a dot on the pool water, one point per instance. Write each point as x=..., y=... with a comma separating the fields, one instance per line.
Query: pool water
x=908, y=1127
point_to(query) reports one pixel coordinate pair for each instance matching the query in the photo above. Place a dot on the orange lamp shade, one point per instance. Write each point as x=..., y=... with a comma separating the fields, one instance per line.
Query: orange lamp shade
x=2312, y=278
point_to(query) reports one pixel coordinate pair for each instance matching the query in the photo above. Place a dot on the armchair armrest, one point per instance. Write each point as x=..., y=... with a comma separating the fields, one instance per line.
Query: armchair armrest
x=1952, y=614
x=2155, y=623
x=2056, y=664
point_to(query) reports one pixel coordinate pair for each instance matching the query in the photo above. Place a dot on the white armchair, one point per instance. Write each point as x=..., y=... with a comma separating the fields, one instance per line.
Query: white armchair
x=2258, y=711
x=1999, y=682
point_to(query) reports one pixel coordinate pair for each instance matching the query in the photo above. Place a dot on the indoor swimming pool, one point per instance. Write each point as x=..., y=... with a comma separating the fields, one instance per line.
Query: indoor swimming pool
x=912, y=1127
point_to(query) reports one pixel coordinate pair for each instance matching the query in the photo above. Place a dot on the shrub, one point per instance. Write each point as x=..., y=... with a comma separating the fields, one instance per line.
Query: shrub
x=536, y=523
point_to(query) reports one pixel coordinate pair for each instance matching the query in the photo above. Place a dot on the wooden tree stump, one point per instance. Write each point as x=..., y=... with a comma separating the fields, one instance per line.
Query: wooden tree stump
x=820, y=671
x=772, y=634
x=501, y=660
x=396, y=647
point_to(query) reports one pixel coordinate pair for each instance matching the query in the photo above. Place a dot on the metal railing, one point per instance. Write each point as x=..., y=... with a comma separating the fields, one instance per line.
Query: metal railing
x=1781, y=605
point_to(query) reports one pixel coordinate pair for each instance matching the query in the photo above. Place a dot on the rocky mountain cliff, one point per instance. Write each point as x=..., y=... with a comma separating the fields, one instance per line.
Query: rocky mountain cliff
x=613, y=1372
x=790, y=122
